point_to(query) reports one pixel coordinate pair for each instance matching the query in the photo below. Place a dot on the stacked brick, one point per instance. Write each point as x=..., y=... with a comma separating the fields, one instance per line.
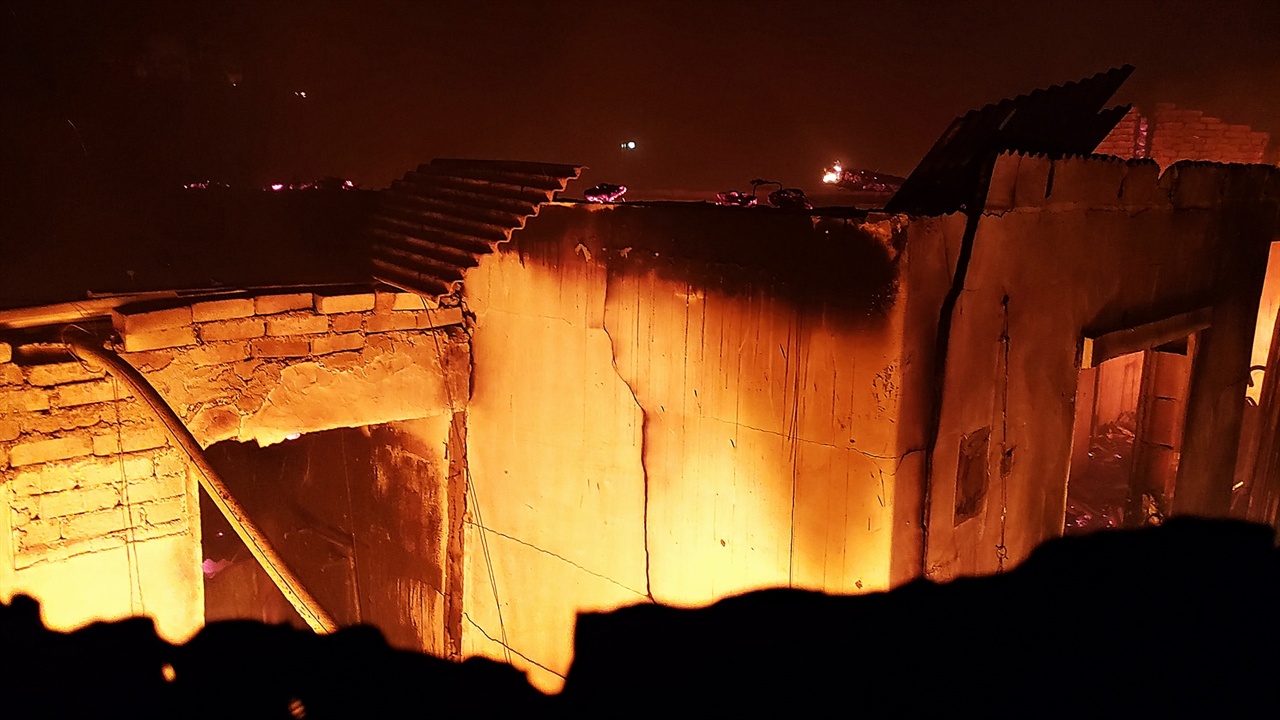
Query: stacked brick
x=1191, y=135
x=296, y=325
x=85, y=467
x=1171, y=134
x=242, y=367
x=1125, y=140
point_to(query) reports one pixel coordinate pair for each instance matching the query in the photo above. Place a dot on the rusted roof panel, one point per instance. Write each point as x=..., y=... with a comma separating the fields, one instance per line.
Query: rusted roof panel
x=1057, y=121
x=436, y=221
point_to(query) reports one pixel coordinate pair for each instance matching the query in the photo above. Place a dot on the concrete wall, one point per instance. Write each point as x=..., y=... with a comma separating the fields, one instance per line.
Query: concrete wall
x=102, y=515
x=670, y=403
x=1264, y=328
x=1084, y=246
x=360, y=516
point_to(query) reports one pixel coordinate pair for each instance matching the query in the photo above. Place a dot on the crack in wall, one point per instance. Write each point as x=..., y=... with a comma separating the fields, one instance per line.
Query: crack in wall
x=1006, y=450
x=946, y=315
x=510, y=649
x=900, y=458
x=557, y=556
x=644, y=440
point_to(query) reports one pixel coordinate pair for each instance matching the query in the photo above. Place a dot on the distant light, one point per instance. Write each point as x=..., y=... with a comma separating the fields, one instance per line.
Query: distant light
x=277, y=187
x=605, y=193
x=832, y=176
x=629, y=145
x=301, y=93
x=168, y=673
x=293, y=436
x=734, y=198
x=348, y=184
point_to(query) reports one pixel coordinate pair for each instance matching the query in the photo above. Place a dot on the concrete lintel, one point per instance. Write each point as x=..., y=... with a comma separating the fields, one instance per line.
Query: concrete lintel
x=1097, y=349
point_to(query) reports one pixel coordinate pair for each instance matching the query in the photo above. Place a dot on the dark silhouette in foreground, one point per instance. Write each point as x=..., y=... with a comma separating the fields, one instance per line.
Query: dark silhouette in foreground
x=1177, y=620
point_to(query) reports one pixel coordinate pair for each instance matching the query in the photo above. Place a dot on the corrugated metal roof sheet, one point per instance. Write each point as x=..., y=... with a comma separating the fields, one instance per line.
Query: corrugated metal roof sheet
x=435, y=222
x=1057, y=121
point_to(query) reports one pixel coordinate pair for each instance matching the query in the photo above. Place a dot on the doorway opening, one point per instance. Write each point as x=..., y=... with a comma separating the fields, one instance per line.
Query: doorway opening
x=298, y=493
x=1127, y=439
x=356, y=513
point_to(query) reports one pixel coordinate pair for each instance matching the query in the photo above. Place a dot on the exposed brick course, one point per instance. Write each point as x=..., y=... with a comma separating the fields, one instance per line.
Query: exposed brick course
x=393, y=321
x=336, y=343
x=330, y=304
x=157, y=339
x=384, y=302
x=240, y=329
x=89, y=393
x=171, y=462
x=6, y=352
x=157, y=488
x=10, y=374
x=439, y=318
x=158, y=512
x=349, y=322
x=68, y=549
x=75, y=501
x=62, y=373
x=130, y=440
x=39, y=451
x=222, y=309
x=9, y=428
x=272, y=304
x=127, y=321
x=298, y=325
x=38, y=533
x=20, y=399
x=277, y=347
x=94, y=524
x=56, y=476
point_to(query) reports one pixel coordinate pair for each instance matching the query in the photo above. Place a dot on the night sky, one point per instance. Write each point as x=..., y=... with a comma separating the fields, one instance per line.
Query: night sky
x=713, y=93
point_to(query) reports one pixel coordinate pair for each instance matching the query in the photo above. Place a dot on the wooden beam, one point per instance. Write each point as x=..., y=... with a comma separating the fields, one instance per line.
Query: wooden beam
x=1097, y=349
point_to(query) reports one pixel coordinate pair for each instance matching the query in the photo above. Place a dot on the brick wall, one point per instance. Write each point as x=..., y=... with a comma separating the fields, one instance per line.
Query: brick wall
x=262, y=368
x=100, y=510
x=1173, y=134
x=89, y=472
x=1191, y=135
x=1130, y=139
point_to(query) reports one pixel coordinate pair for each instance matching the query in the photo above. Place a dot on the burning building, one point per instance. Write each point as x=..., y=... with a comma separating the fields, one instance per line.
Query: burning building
x=475, y=409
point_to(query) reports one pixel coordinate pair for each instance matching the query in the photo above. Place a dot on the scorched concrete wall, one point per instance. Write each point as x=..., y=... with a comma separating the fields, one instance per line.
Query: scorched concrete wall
x=1077, y=247
x=669, y=403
